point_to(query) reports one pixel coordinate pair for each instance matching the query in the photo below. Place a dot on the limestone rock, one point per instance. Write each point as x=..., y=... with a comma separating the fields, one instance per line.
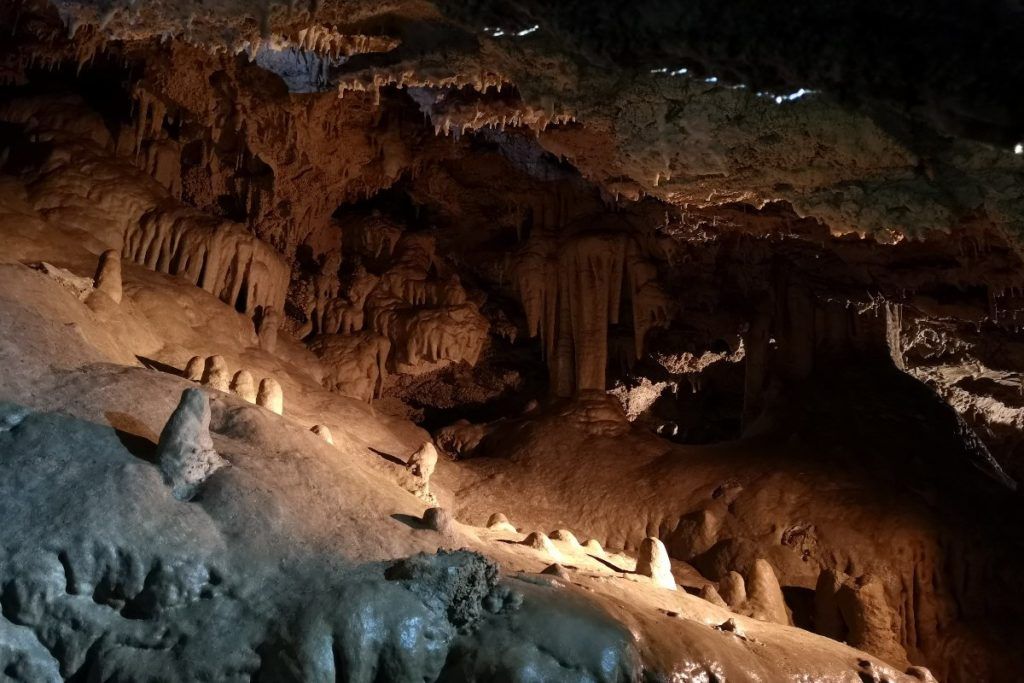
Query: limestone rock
x=828, y=620
x=194, y=368
x=81, y=287
x=594, y=546
x=244, y=386
x=870, y=621
x=921, y=673
x=733, y=589
x=499, y=522
x=556, y=570
x=324, y=432
x=764, y=595
x=540, y=541
x=710, y=594
x=419, y=469
x=185, y=451
x=439, y=519
x=216, y=374
x=565, y=536
x=270, y=396
x=653, y=561
x=108, y=275
x=355, y=364
x=269, y=326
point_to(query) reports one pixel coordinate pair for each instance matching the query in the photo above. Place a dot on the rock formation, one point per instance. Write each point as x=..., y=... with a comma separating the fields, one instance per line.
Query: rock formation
x=565, y=536
x=108, y=275
x=499, y=522
x=185, y=451
x=323, y=432
x=270, y=322
x=439, y=519
x=243, y=384
x=538, y=540
x=652, y=560
x=216, y=374
x=194, y=368
x=270, y=395
x=751, y=314
x=764, y=595
x=418, y=470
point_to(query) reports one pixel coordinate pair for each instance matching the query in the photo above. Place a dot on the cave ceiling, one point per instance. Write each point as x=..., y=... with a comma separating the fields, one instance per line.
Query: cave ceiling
x=908, y=129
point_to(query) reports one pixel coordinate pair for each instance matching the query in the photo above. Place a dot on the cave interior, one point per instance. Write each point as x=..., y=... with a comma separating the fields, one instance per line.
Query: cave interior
x=511, y=341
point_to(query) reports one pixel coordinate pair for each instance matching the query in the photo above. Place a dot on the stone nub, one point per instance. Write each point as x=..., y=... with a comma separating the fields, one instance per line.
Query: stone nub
x=108, y=275
x=733, y=589
x=216, y=375
x=323, y=432
x=764, y=594
x=418, y=471
x=653, y=561
x=540, y=541
x=270, y=396
x=499, y=522
x=244, y=386
x=556, y=570
x=185, y=451
x=439, y=519
x=565, y=536
x=194, y=368
x=593, y=546
x=710, y=594
x=269, y=325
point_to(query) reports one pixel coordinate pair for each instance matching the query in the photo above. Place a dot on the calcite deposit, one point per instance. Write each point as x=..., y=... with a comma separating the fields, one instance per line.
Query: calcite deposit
x=727, y=299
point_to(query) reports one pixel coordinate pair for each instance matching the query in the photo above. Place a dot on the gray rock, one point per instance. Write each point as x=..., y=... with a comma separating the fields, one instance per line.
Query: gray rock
x=185, y=451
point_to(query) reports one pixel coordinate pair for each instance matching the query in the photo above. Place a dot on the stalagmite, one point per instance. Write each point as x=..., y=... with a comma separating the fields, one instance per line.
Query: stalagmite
x=270, y=396
x=270, y=323
x=764, y=595
x=439, y=519
x=185, y=451
x=540, y=541
x=828, y=620
x=108, y=275
x=565, y=536
x=570, y=296
x=733, y=589
x=324, y=432
x=871, y=623
x=244, y=386
x=499, y=522
x=216, y=374
x=556, y=570
x=194, y=368
x=419, y=469
x=709, y=593
x=652, y=560
x=652, y=306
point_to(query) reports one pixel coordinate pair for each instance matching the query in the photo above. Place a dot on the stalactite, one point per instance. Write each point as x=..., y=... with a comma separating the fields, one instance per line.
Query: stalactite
x=652, y=306
x=218, y=256
x=356, y=364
